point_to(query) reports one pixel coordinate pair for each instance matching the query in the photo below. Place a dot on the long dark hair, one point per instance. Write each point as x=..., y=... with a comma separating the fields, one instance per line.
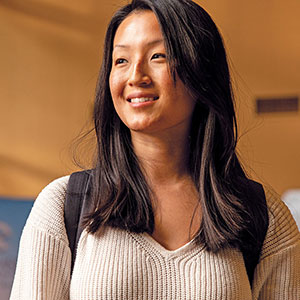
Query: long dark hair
x=121, y=196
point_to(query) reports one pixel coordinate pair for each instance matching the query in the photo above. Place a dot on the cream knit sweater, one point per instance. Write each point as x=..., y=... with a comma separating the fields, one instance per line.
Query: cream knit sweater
x=121, y=265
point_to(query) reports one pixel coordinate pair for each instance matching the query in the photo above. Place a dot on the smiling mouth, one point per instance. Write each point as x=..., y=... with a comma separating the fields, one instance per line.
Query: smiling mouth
x=142, y=99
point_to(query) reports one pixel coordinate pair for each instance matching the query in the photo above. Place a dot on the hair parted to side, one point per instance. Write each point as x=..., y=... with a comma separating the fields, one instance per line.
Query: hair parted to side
x=120, y=192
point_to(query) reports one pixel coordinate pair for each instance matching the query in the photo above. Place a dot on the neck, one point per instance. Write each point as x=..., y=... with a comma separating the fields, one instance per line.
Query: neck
x=163, y=157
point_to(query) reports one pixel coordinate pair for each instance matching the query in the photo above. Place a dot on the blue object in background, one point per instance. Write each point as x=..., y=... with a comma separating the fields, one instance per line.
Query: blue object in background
x=13, y=215
x=292, y=200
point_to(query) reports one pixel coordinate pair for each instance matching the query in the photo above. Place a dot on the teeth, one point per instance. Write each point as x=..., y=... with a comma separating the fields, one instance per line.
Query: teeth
x=143, y=99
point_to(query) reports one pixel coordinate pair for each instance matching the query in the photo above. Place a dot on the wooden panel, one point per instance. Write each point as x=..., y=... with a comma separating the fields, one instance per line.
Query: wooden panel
x=271, y=105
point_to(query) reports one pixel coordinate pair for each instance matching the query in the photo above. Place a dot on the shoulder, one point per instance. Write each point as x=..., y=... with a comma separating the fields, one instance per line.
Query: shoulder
x=282, y=232
x=47, y=213
x=277, y=273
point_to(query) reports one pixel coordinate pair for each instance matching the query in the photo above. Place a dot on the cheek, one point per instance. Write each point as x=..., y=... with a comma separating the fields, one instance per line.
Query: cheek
x=166, y=79
x=116, y=89
x=115, y=85
x=184, y=99
x=112, y=85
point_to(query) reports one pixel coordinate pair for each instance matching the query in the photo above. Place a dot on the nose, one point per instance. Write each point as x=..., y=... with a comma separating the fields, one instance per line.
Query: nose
x=139, y=75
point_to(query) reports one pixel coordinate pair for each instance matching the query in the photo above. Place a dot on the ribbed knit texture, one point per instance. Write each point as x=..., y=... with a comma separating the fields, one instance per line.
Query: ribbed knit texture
x=116, y=264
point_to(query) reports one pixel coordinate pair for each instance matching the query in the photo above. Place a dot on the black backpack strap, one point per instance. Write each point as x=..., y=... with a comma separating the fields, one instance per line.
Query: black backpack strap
x=251, y=255
x=76, y=205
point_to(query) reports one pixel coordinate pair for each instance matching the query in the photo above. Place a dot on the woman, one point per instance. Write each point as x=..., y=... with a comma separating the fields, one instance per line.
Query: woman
x=172, y=211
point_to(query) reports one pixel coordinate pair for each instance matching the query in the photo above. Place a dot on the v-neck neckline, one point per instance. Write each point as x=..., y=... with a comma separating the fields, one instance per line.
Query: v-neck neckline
x=145, y=238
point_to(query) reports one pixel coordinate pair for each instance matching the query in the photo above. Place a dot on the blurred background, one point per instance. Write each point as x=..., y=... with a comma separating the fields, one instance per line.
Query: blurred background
x=50, y=54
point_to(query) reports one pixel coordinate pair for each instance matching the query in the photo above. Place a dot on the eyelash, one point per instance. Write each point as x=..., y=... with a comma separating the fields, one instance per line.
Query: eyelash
x=155, y=56
x=120, y=61
x=159, y=55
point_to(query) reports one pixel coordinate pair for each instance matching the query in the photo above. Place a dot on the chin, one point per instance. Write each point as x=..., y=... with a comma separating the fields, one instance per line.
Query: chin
x=139, y=126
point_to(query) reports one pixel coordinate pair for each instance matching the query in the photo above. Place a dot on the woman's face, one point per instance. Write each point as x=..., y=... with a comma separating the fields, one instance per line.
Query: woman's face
x=143, y=91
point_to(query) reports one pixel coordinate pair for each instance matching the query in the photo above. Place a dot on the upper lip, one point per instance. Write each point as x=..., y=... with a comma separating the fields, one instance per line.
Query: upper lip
x=141, y=95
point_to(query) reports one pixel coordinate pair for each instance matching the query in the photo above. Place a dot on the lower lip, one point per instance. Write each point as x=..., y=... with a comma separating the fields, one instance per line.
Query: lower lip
x=142, y=104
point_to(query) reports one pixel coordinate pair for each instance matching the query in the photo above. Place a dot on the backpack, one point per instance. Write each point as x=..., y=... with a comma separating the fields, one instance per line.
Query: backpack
x=77, y=206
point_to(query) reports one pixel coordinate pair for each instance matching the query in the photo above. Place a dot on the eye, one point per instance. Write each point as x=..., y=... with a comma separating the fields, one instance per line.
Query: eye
x=120, y=61
x=158, y=55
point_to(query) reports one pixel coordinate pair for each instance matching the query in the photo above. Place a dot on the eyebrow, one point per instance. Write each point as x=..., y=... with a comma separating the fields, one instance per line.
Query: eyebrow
x=154, y=42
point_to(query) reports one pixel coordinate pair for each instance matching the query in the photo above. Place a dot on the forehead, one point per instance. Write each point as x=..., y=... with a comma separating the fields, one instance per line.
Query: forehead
x=138, y=28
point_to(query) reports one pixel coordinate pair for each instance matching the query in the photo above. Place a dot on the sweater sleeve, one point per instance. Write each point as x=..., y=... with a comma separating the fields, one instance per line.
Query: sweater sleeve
x=44, y=259
x=277, y=276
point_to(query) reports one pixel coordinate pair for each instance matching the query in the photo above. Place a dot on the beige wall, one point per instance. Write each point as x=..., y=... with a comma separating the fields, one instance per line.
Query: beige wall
x=264, y=45
x=50, y=56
